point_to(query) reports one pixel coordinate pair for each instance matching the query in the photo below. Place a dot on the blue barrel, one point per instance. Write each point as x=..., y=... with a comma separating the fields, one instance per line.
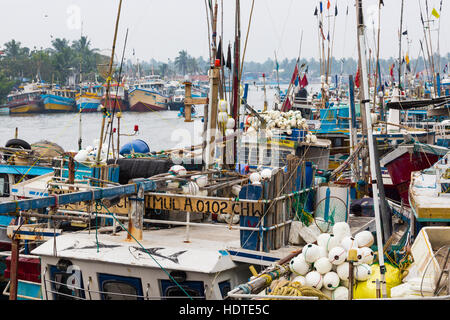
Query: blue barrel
x=135, y=146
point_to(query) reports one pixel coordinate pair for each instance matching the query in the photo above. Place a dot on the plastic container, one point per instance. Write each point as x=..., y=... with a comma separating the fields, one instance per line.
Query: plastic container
x=429, y=240
x=135, y=146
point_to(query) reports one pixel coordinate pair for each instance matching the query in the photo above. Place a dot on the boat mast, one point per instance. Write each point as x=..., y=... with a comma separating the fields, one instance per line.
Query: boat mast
x=108, y=83
x=364, y=96
x=400, y=48
x=236, y=80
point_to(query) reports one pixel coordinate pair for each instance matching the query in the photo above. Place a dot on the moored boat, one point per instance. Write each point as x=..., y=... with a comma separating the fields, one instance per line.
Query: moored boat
x=118, y=98
x=89, y=99
x=59, y=100
x=27, y=100
x=148, y=95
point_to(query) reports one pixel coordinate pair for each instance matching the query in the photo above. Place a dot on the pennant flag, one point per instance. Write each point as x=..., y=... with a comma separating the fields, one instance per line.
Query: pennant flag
x=335, y=10
x=287, y=104
x=295, y=75
x=405, y=33
x=229, y=57
x=357, y=79
x=435, y=13
x=316, y=12
x=328, y=37
x=391, y=70
x=407, y=59
x=347, y=11
x=381, y=2
x=328, y=5
x=304, y=82
x=219, y=54
x=321, y=7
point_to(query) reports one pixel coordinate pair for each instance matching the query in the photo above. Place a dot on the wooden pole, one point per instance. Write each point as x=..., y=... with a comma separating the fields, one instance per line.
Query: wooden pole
x=136, y=216
x=15, y=245
x=400, y=48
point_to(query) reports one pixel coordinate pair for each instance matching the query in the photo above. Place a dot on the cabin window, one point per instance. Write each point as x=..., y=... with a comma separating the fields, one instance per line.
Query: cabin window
x=170, y=290
x=4, y=185
x=224, y=288
x=66, y=283
x=115, y=287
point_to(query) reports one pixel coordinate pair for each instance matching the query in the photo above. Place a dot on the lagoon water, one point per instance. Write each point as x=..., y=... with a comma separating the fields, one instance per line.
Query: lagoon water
x=161, y=130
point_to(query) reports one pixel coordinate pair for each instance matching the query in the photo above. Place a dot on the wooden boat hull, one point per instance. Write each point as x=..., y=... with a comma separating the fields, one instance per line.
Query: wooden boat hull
x=145, y=101
x=88, y=103
x=54, y=103
x=32, y=107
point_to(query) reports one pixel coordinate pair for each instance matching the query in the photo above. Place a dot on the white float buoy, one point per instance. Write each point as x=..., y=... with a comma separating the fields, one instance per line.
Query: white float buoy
x=314, y=279
x=337, y=255
x=311, y=252
x=299, y=266
x=331, y=280
x=300, y=279
x=343, y=271
x=178, y=170
x=340, y=293
x=363, y=272
x=348, y=243
x=323, y=265
x=364, y=238
x=365, y=255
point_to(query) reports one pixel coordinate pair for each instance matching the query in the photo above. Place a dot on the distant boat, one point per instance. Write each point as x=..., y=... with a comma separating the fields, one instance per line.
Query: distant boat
x=118, y=98
x=177, y=101
x=59, y=100
x=89, y=99
x=148, y=95
x=27, y=100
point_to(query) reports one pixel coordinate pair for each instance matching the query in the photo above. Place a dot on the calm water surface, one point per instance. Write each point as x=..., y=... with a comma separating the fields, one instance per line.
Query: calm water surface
x=161, y=130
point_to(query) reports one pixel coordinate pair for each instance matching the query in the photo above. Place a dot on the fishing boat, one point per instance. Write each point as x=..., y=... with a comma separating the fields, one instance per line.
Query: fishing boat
x=428, y=192
x=118, y=98
x=27, y=100
x=148, y=95
x=59, y=100
x=177, y=100
x=407, y=158
x=89, y=98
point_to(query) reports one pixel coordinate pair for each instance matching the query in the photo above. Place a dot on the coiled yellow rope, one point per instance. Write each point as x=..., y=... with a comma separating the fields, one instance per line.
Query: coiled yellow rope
x=295, y=289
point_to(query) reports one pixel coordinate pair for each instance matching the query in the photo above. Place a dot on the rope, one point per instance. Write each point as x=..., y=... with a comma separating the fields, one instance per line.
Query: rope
x=295, y=289
x=168, y=274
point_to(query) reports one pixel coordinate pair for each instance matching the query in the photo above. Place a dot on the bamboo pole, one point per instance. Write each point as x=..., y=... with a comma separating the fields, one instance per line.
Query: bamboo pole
x=108, y=83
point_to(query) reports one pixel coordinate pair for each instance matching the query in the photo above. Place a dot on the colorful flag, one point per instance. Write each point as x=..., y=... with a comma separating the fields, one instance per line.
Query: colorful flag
x=328, y=5
x=316, y=12
x=304, y=82
x=286, y=105
x=407, y=59
x=335, y=10
x=321, y=7
x=435, y=13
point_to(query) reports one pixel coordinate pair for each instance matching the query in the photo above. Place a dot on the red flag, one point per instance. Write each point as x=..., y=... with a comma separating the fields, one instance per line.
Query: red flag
x=304, y=81
x=287, y=105
x=295, y=75
x=328, y=5
x=357, y=79
x=392, y=70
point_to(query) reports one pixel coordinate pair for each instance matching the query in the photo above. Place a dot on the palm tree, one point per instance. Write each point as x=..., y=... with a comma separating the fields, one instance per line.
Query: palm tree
x=181, y=62
x=63, y=58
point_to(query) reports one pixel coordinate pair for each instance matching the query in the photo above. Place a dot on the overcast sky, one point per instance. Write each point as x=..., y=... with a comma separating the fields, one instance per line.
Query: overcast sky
x=160, y=28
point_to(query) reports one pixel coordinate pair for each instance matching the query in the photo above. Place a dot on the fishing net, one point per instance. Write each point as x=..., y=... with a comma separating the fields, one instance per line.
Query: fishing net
x=329, y=211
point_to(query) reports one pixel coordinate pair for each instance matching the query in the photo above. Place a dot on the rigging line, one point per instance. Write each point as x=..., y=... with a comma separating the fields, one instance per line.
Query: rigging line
x=246, y=39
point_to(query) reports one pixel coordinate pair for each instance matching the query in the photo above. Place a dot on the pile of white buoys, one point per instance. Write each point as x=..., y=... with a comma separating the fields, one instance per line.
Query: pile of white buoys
x=277, y=121
x=262, y=174
x=324, y=265
x=89, y=154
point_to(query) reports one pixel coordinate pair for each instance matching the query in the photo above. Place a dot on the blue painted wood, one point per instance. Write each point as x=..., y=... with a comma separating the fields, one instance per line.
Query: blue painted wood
x=44, y=202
